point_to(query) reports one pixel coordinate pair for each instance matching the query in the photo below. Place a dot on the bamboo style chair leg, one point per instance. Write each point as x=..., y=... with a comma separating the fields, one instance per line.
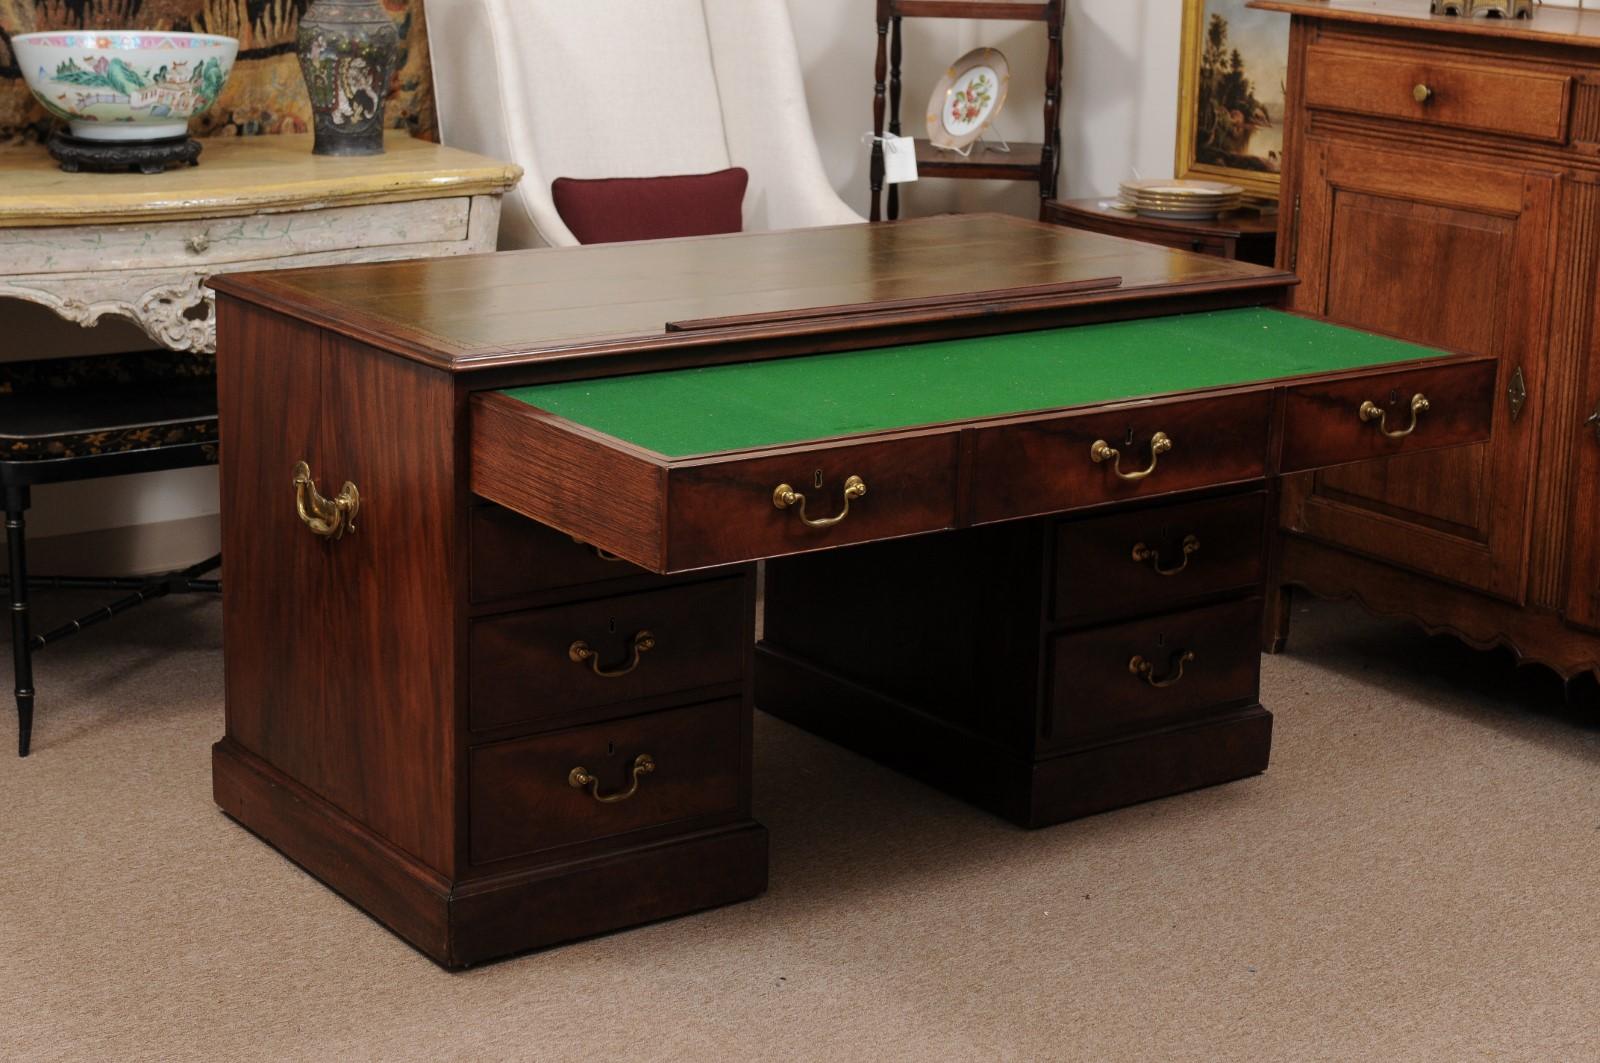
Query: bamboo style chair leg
x=21, y=635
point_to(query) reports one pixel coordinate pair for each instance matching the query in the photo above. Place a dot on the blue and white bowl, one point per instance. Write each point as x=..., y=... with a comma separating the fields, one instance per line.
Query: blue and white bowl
x=125, y=84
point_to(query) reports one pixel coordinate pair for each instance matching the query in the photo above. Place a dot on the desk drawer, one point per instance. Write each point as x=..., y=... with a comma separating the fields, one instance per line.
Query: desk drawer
x=1522, y=103
x=522, y=794
x=512, y=556
x=551, y=663
x=679, y=514
x=725, y=510
x=1048, y=464
x=1330, y=423
x=1123, y=679
x=1157, y=558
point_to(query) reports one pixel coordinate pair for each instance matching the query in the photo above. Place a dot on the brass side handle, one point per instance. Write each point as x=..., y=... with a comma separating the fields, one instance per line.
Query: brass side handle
x=1371, y=411
x=784, y=496
x=1421, y=92
x=329, y=518
x=1143, y=554
x=1593, y=421
x=582, y=653
x=1101, y=451
x=1143, y=669
x=580, y=777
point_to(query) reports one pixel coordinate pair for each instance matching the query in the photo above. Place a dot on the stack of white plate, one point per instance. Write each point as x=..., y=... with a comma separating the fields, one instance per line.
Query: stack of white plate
x=1181, y=199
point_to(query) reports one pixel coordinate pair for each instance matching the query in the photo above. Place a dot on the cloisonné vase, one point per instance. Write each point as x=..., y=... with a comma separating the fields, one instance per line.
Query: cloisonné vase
x=347, y=50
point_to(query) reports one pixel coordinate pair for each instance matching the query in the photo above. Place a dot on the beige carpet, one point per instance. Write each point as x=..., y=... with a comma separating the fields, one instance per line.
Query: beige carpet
x=1415, y=878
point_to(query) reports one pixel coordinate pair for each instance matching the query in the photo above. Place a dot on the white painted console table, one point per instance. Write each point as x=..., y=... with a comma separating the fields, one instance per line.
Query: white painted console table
x=87, y=245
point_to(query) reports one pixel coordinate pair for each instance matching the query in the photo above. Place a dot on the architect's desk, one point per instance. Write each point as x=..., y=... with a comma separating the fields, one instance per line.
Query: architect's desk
x=490, y=653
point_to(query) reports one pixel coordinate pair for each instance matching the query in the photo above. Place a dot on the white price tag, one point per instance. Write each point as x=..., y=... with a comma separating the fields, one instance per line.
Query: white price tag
x=899, y=159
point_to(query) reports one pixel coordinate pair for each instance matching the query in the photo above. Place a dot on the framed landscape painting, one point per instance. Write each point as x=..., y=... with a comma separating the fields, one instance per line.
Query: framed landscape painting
x=1231, y=94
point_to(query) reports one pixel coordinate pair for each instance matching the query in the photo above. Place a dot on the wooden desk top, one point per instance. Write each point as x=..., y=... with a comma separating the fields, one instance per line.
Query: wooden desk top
x=242, y=175
x=616, y=299
x=1553, y=25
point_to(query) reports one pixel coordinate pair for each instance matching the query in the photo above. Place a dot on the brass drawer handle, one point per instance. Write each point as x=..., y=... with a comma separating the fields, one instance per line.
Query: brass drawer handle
x=1421, y=92
x=784, y=496
x=579, y=777
x=1100, y=451
x=328, y=517
x=1143, y=553
x=581, y=652
x=1143, y=669
x=1370, y=411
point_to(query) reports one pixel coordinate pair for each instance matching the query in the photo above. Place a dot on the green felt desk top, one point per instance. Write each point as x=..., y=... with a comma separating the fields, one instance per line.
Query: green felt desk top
x=684, y=412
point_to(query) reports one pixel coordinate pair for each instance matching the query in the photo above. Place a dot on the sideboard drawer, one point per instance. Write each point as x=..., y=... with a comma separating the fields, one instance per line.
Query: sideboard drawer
x=532, y=794
x=551, y=663
x=1049, y=464
x=1523, y=103
x=1154, y=559
x=512, y=555
x=251, y=238
x=1126, y=678
x=1372, y=417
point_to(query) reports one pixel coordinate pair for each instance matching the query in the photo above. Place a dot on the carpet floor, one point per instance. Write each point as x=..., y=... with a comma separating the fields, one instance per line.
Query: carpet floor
x=1413, y=879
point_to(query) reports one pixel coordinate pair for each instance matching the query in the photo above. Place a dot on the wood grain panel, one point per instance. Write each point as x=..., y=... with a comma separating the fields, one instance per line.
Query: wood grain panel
x=1436, y=251
x=388, y=738
x=274, y=653
x=1582, y=603
x=546, y=468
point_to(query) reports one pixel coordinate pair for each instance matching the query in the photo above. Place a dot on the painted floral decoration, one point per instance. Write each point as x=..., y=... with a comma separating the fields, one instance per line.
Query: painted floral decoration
x=966, y=106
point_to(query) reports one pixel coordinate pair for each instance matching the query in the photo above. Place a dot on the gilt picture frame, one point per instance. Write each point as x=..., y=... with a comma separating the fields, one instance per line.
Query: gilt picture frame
x=1231, y=89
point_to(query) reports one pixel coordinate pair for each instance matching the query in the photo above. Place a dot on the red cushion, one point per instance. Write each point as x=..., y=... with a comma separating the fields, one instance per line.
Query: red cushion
x=651, y=208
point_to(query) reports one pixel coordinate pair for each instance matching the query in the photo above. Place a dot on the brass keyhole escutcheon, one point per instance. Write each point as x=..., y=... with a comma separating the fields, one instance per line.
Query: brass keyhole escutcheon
x=328, y=518
x=1371, y=411
x=784, y=497
x=580, y=777
x=1101, y=451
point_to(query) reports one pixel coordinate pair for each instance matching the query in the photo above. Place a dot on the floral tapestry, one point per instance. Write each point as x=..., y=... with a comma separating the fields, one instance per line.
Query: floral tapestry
x=264, y=94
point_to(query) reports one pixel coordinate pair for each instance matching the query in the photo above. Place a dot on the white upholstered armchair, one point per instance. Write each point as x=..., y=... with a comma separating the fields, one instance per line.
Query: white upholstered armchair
x=630, y=88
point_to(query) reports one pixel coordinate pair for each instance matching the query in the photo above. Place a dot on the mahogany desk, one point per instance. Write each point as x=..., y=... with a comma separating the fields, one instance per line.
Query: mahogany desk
x=490, y=649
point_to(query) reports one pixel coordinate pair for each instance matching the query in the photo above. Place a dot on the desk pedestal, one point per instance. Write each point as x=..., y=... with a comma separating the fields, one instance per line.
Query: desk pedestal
x=1038, y=669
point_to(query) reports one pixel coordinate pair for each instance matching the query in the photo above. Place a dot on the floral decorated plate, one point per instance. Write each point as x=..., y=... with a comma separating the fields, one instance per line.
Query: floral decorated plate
x=967, y=98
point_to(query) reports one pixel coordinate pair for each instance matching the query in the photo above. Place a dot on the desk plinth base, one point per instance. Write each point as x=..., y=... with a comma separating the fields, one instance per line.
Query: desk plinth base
x=1029, y=792
x=468, y=922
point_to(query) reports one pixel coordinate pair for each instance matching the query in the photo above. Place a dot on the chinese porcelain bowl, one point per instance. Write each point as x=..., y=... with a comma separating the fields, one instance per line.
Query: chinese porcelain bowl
x=125, y=84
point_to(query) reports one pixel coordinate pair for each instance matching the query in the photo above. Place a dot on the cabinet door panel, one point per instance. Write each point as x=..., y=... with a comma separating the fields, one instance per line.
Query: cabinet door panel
x=1436, y=252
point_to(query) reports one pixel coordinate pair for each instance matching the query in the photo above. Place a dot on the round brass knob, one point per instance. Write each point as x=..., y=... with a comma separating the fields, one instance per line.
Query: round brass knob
x=1421, y=93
